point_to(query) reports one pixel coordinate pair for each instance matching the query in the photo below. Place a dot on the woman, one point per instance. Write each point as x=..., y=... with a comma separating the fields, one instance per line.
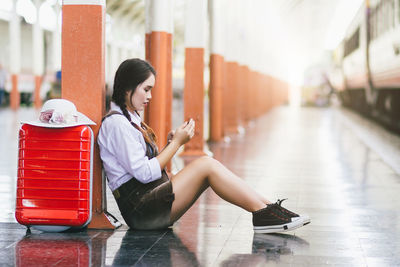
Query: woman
x=145, y=195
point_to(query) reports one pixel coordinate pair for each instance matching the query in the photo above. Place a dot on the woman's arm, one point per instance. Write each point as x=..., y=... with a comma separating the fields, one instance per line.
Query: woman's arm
x=122, y=150
x=182, y=135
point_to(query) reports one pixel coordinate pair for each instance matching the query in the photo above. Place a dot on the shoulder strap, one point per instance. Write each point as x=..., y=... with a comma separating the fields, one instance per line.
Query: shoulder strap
x=148, y=140
x=112, y=112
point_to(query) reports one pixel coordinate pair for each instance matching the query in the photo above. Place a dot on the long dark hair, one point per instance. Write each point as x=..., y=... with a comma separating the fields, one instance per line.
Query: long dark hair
x=130, y=74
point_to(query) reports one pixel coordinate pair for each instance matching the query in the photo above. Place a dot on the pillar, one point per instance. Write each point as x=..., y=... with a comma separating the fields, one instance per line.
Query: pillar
x=230, y=115
x=38, y=56
x=242, y=93
x=196, y=14
x=15, y=56
x=159, y=27
x=247, y=46
x=57, y=40
x=216, y=71
x=235, y=76
x=232, y=23
x=82, y=64
x=247, y=94
x=253, y=94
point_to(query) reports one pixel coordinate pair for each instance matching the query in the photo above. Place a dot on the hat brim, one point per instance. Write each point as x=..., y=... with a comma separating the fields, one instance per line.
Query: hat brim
x=82, y=120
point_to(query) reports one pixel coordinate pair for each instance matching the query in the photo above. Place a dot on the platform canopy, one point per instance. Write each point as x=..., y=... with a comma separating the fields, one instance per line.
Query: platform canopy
x=308, y=28
x=295, y=31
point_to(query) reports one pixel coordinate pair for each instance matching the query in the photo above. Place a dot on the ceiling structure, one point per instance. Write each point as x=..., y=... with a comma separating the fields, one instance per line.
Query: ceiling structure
x=132, y=10
x=311, y=29
x=310, y=26
x=309, y=22
x=319, y=25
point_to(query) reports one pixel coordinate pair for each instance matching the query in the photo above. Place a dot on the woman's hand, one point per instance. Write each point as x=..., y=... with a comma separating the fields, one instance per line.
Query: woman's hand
x=184, y=133
x=181, y=136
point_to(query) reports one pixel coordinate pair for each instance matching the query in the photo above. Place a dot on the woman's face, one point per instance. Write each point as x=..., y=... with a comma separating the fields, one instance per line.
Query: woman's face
x=141, y=96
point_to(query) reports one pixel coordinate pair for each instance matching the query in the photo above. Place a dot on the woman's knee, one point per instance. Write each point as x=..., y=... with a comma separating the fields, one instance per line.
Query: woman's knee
x=208, y=163
x=205, y=160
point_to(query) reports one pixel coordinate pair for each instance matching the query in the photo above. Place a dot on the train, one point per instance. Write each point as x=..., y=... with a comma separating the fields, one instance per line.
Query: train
x=366, y=70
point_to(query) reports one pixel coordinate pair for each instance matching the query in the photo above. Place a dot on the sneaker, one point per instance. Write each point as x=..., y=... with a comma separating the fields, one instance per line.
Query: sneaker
x=278, y=205
x=273, y=220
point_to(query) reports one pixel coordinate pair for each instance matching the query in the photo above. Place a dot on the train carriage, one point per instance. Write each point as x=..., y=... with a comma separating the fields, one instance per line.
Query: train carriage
x=367, y=75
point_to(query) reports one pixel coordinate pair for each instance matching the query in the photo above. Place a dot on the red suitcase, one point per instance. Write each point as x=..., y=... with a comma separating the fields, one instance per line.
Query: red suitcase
x=54, y=184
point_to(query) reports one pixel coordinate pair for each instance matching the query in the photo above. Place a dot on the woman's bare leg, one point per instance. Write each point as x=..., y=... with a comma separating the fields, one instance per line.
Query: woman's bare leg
x=192, y=180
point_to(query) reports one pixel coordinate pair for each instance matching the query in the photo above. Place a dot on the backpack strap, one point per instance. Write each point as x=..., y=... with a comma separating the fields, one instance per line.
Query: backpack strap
x=153, y=148
x=112, y=112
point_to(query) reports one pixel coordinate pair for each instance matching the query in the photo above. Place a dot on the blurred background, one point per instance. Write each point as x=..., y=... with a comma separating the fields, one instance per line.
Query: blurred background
x=294, y=94
x=324, y=51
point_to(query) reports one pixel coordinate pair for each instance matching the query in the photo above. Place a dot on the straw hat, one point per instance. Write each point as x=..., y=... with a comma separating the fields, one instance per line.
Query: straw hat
x=60, y=113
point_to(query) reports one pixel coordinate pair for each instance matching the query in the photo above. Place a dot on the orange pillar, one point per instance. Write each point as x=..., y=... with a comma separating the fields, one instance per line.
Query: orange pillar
x=216, y=97
x=37, y=99
x=231, y=96
x=247, y=94
x=233, y=26
x=159, y=54
x=258, y=94
x=234, y=123
x=252, y=84
x=227, y=101
x=271, y=92
x=14, y=95
x=275, y=85
x=83, y=80
x=196, y=14
x=15, y=55
x=157, y=113
x=264, y=93
x=193, y=98
x=38, y=56
x=242, y=90
x=169, y=93
x=217, y=82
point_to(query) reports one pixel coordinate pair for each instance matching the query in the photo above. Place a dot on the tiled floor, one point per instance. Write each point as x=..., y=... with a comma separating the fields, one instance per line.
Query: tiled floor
x=339, y=168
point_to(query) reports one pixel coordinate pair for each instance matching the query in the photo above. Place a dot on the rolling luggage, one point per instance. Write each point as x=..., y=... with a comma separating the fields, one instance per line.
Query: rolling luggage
x=54, y=181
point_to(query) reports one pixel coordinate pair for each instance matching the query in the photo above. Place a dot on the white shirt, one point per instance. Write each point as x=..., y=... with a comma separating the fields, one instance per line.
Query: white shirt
x=123, y=151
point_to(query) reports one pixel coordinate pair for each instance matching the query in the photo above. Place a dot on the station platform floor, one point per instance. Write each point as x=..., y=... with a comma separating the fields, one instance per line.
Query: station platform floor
x=340, y=169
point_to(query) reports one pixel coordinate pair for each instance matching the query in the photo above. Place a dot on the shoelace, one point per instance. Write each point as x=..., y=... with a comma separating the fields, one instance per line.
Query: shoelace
x=278, y=203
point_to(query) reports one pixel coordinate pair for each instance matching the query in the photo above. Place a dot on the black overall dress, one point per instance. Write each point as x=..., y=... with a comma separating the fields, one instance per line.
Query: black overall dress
x=145, y=206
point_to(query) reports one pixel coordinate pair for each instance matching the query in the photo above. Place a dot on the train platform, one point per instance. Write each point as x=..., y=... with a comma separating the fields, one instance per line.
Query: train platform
x=340, y=169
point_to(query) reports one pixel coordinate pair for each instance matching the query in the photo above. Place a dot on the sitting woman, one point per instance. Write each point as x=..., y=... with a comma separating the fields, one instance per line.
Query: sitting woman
x=146, y=196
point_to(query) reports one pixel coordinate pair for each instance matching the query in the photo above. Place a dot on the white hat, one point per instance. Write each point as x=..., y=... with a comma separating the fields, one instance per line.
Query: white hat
x=60, y=113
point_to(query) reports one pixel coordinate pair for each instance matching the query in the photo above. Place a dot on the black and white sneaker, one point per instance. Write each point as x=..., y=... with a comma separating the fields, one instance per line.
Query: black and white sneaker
x=278, y=205
x=273, y=220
